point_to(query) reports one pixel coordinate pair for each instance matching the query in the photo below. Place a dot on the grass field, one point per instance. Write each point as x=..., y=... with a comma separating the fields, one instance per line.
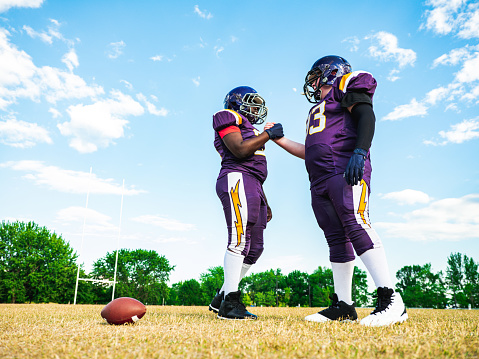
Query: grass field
x=67, y=331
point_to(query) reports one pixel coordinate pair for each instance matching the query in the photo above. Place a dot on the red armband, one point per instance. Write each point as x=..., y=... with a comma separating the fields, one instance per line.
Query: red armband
x=227, y=130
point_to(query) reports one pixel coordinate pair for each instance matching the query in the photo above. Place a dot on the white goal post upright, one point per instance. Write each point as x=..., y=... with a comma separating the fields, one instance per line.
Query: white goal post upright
x=106, y=281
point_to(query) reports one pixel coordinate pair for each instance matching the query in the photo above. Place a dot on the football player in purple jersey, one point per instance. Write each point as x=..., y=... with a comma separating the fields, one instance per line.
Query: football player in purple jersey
x=240, y=189
x=339, y=132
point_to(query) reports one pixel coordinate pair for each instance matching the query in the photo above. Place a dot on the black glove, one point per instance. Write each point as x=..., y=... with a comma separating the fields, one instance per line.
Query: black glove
x=355, y=168
x=276, y=131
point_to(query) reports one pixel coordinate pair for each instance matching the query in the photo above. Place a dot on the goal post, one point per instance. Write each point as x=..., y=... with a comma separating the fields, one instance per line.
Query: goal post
x=104, y=281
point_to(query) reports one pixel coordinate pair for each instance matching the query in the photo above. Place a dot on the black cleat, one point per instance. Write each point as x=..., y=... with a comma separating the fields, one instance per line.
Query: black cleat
x=232, y=308
x=216, y=302
x=338, y=310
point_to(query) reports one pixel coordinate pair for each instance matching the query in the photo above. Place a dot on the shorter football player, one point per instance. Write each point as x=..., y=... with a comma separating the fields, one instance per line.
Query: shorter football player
x=239, y=186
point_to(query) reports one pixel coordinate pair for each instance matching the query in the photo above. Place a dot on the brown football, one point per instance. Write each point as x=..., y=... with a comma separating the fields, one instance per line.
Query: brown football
x=123, y=310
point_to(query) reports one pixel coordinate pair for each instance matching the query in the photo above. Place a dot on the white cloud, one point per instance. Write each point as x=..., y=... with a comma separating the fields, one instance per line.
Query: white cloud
x=7, y=4
x=408, y=197
x=470, y=70
x=353, y=42
x=151, y=107
x=71, y=59
x=436, y=95
x=22, y=134
x=55, y=113
x=49, y=35
x=196, y=81
x=115, y=49
x=218, y=50
x=202, y=14
x=414, y=108
x=157, y=58
x=385, y=47
x=459, y=17
x=464, y=86
x=470, y=27
x=441, y=18
x=67, y=181
x=392, y=75
x=455, y=56
x=451, y=219
x=96, y=223
x=99, y=124
x=45, y=37
x=465, y=131
x=20, y=78
x=164, y=222
x=128, y=85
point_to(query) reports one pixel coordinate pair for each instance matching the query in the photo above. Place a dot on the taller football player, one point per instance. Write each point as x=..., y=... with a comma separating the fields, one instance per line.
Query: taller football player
x=240, y=189
x=339, y=131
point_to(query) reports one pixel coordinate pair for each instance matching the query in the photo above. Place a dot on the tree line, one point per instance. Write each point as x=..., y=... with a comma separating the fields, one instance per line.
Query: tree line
x=39, y=266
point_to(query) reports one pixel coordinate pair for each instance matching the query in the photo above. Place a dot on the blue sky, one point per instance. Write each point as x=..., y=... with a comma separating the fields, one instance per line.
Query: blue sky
x=129, y=89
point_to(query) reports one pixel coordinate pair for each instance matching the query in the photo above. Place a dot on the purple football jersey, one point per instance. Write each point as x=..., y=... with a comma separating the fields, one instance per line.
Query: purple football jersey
x=253, y=165
x=330, y=130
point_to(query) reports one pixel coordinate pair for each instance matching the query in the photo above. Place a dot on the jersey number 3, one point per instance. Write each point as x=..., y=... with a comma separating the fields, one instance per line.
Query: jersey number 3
x=319, y=120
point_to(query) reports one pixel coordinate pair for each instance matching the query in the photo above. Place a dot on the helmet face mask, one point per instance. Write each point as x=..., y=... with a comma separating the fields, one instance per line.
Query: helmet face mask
x=248, y=102
x=325, y=71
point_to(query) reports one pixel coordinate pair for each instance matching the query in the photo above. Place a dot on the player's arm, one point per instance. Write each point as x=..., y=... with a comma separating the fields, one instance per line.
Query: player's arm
x=244, y=148
x=363, y=115
x=295, y=148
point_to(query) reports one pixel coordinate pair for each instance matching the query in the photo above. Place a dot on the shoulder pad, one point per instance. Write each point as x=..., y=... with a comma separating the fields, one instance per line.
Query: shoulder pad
x=361, y=81
x=225, y=118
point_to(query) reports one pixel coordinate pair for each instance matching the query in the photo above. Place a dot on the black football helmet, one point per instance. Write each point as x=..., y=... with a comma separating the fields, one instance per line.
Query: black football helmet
x=324, y=72
x=248, y=102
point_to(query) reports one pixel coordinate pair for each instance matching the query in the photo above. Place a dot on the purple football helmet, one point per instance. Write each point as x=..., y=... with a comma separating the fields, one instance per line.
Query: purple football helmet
x=248, y=102
x=324, y=72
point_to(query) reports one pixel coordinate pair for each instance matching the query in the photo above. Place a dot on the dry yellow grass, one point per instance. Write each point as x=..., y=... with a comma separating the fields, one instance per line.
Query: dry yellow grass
x=67, y=331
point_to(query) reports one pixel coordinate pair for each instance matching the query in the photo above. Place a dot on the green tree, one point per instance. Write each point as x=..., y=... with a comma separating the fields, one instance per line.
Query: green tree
x=462, y=280
x=36, y=265
x=321, y=282
x=189, y=292
x=141, y=274
x=299, y=283
x=247, y=300
x=286, y=298
x=263, y=282
x=454, y=278
x=360, y=287
x=211, y=281
x=260, y=299
x=420, y=287
x=471, y=275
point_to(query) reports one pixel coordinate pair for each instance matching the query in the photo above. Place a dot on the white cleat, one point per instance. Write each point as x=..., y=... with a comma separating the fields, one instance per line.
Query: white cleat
x=389, y=309
x=338, y=310
x=316, y=317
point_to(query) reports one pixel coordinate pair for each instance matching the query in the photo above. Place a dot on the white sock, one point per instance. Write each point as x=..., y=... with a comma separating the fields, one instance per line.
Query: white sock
x=377, y=266
x=233, y=264
x=244, y=269
x=343, y=280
